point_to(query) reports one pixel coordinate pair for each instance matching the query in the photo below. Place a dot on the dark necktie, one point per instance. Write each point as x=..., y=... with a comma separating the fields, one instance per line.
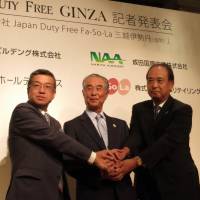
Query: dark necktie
x=102, y=129
x=156, y=111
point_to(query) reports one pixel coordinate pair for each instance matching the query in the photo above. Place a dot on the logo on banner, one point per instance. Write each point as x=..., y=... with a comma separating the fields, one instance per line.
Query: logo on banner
x=106, y=59
x=123, y=87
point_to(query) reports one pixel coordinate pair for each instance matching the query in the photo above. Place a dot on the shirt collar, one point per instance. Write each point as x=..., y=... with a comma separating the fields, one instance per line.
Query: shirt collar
x=43, y=112
x=161, y=104
x=93, y=114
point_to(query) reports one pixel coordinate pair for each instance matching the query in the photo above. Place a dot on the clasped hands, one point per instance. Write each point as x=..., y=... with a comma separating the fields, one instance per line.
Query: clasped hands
x=113, y=163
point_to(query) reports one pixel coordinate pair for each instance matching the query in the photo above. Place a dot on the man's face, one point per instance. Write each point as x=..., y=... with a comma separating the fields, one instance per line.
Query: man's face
x=41, y=91
x=95, y=93
x=158, y=85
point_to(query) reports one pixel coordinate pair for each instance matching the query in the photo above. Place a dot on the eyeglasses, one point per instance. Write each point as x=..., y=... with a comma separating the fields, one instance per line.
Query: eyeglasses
x=46, y=86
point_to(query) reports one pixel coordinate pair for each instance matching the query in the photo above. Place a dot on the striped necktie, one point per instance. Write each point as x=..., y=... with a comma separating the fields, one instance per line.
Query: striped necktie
x=47, y=118
x=102, y=128
x=156, y=111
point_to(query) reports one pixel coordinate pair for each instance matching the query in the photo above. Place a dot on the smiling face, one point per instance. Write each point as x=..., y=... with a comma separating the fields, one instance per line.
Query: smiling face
x=95, y=93
x=41, y=90
x=158, y=84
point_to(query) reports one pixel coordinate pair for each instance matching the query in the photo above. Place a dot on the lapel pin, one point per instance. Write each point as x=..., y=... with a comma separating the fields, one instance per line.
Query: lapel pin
x=114, y=125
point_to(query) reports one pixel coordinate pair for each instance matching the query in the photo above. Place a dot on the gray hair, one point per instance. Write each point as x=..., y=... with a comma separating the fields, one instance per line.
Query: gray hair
x=106, y=84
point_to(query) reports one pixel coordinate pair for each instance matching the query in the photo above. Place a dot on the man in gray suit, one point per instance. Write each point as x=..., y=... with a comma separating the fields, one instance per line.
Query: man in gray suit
x=97, y=131
x=36, y=144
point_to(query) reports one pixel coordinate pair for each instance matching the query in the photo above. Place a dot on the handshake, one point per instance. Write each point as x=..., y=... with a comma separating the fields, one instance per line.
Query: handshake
x=114, y=165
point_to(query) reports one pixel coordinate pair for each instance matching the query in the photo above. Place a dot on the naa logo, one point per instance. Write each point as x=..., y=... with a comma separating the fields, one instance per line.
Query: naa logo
x=106, y=59
x=123, y=86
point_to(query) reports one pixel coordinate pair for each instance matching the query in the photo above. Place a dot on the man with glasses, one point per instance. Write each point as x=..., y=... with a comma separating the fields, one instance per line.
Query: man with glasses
x=36, y=144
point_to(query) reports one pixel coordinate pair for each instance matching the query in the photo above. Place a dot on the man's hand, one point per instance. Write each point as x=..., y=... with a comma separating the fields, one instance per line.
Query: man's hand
x=121, y=154
x=112, y=170
x=105, y=160
x=123, y=168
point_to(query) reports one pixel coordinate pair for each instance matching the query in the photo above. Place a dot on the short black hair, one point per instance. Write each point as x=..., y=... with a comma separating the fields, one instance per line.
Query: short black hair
x=167, y=67
x=41, y=72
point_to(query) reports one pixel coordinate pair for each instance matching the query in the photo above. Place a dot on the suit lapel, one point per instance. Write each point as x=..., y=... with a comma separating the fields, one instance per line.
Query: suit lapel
x=163, y=117
x=165, y=109
x=91, y=130
x=151, y=126
x=37, y=111
x=113, y=139
x=149, y=122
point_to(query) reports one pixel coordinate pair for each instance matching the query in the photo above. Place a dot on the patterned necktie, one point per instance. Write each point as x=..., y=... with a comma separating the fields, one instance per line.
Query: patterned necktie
x=102, y=128
x=47, y=118
x=156, y=111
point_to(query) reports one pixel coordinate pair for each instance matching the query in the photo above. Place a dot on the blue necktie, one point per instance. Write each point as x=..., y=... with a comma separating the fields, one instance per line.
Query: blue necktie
x=102, y=128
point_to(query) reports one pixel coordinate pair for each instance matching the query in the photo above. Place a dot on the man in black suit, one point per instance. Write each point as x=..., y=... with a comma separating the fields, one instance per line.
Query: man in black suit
x=36, y=144
x=92, y=183
x=164, y=168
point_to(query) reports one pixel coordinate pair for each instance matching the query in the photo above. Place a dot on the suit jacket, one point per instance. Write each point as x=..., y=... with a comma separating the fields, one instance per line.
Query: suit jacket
x=35, y=150
x=90, y=184
x=169, y=172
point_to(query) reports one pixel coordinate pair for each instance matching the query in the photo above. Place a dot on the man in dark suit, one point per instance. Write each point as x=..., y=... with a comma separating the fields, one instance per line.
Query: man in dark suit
x=159, y=138
x=92, y=183
x=36, y=144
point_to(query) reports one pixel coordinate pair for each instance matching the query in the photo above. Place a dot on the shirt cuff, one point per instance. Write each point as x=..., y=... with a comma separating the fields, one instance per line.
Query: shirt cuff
x=92, y=157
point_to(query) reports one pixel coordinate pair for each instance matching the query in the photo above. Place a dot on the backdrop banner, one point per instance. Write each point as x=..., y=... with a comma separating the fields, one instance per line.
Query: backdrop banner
x=75, y=38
